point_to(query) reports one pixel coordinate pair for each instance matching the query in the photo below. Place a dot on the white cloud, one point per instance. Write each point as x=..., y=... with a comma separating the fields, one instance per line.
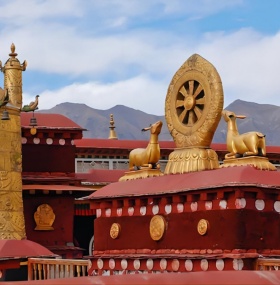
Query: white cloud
x=139, y=93
x=110, y=42
x=248, y=65
x=19, y=12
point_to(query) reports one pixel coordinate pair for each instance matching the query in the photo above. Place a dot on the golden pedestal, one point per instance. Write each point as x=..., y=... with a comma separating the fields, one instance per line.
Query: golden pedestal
x=139, y=174
x=191, y=159
x=259, y=162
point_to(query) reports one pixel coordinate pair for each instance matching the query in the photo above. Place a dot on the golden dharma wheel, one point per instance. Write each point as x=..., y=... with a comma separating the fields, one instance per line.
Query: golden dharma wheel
x=157, y=227
x=194, y=103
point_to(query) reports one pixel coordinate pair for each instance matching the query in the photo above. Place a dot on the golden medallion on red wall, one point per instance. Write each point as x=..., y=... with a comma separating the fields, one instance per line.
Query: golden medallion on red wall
x=202, y=227
x=157, y=227
x=115, y=230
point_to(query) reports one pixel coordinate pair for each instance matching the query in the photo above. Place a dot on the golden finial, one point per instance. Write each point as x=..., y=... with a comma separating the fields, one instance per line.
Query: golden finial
x=13, y=48
x=112, y=135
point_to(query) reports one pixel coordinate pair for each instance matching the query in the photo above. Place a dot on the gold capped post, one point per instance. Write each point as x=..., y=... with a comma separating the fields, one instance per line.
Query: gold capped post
x=11, y=208
x=13, y=78
x=112, y=134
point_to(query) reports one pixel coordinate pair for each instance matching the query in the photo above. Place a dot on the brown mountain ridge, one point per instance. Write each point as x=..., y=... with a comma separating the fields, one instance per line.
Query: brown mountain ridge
x=264, y=118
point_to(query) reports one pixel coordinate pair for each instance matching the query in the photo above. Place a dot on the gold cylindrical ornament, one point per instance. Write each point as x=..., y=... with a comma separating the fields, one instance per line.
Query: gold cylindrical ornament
x=12, y=225
x=13, y=78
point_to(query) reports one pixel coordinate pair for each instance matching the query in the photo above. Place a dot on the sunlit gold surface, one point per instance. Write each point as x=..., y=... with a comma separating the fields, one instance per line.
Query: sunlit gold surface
x=139, y=174
x=194, y=102
x=13, y=78
x=251, y=143
x=11, y=205
x=202, y=227
x=157, y=227
x=261, y=163
x=193, y=107
x=44, y=218
x=115, y=230
x=244, y=149
x=12, y=224
x=191, y=159
x=147, y=158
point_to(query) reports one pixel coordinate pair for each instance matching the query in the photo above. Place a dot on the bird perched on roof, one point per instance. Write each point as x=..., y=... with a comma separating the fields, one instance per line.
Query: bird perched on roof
x=4, y=97
x=32, y=106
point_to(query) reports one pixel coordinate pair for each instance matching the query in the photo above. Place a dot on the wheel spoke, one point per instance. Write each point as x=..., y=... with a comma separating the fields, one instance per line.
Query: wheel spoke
x=183, y=91
x=179, y=103
x=200, y=101
x=197, y=91
x=189, y=109
x=197, y=112
x=182, y=115
x=191, y=119
x=191, y=84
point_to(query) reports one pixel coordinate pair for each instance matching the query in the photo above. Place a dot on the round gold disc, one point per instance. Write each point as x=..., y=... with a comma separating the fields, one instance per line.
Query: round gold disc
x=157, y=227
x=115, y=230
x=202, y=227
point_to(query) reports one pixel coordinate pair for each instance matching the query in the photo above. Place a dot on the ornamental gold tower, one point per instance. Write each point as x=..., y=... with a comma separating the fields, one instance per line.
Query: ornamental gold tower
x=12, y=225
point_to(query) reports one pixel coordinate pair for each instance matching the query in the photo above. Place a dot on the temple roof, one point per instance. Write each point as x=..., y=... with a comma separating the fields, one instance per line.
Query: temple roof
x=49, y=121
x=176, y=183
x=101, y=176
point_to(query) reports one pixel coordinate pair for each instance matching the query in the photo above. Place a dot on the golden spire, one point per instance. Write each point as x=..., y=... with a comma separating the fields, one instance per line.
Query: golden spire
x=112, y=134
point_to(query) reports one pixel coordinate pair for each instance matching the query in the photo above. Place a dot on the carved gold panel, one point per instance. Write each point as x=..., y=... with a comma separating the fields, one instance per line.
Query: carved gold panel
x=44, y=218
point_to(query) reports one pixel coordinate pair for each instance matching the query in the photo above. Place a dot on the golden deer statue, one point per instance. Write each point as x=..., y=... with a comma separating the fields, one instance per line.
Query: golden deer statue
x=148, y=157
x=247, y=144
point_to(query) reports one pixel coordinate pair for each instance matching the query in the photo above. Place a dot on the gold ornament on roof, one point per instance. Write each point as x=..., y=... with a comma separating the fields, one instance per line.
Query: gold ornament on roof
x=44, y=218
x=141, y=158
x=244, y=149
x=247, y=144
x=193, y=106
x=144, y=162
x=32, y=106
x=112, y=134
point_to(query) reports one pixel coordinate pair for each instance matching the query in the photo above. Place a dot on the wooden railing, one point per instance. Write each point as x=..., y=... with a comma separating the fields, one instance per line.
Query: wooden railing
x=44, y=268
x=268, y=264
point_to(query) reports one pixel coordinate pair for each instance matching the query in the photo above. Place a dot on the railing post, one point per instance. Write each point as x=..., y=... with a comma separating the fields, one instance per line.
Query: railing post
x=30, y=270
x=34, y=271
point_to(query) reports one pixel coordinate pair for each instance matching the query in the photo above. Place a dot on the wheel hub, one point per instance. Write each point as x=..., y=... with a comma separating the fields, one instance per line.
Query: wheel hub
x=189, y=103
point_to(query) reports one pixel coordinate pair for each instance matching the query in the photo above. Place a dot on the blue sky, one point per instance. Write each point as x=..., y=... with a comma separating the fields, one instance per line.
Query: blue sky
x=108, y=52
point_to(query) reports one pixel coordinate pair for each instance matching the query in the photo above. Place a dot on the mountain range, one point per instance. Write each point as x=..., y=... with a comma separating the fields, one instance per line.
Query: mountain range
x=129, y=122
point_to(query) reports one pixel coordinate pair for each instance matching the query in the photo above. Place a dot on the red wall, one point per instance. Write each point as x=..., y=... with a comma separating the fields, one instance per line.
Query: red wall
x=63, y=208
x=229, y=229
x=48, y=158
